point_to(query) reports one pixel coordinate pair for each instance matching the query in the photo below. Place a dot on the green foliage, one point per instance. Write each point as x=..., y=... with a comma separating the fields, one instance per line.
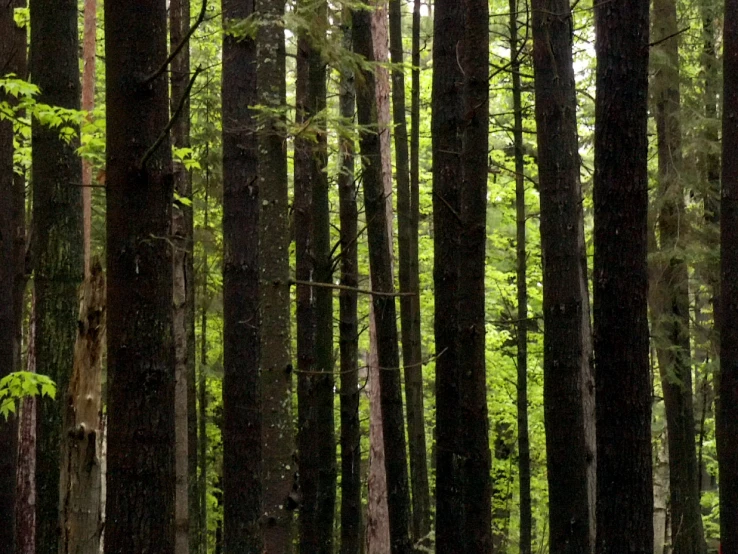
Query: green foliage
x=22, y=384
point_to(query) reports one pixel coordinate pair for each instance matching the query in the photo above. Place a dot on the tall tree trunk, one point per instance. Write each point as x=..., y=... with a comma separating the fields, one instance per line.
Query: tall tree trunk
x=565, y=307
x=9, y=58
x=89, y=51
x=727, y=407
x=526, y=517
x=57, y=216
x=241, y=384
x=624, y=481
x=409, y=282
x=202, y=385
x=380, y=261
x=670, y=290
x=141, y=354
x=446, y=144
x=81, y=520
x=183, y=315
x=279, y=472
x=351, y=524
x=476, y=485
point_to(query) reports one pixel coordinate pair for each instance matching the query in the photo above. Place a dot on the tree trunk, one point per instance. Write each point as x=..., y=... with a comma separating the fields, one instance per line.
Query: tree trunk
x=565, y=307
x=202, y=385
x=57, y=216
x=526, y=517
x=279, y=472
x=670, y=290
x=476, y=486
x=446, y=145
x=81, y=523
x=380, y=261
x=241, y=384
x=141, y=354
x=727, y=406
x=624, y=480
x=89, y=51
x=351, y=524
x=407, y=209
x=183, y=315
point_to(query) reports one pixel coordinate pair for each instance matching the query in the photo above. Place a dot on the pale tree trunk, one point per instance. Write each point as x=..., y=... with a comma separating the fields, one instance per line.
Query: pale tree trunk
x=88, y=104
x=660, y=495
x=80, y=455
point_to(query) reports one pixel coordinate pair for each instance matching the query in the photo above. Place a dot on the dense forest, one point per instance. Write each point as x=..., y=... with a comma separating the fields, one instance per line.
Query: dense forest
x=368, y=276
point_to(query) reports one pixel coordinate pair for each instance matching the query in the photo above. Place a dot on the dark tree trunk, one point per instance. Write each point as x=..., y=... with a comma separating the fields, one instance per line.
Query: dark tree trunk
x=351, y=524
x=89, y=53
x=526, y=518
x=316, y=441
x=670, y=311
x=407, y=209
x=398, y=499
x=727, y=406
x=183, y=314
x=278, y=471
x=564, y=308
x=9, y=60
x=57, y=216
x=446, y=144
x=476, y=485
x=141, y=362
x=202, y=385
x=624, y=482
x=241, y=386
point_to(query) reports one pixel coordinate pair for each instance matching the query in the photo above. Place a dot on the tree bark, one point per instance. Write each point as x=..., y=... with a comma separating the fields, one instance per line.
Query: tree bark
x=242, y=487
x=89, y=51
x=624, y=480
x=278, y=472
x=81, y=519
x=57, y=216
x=351, y=524
x=565, y=307
x=526, y=517
x=727, y=406
x=670, y=289
x=446, y=146
x=141, y=354
x=380, y=261
x=476, y=486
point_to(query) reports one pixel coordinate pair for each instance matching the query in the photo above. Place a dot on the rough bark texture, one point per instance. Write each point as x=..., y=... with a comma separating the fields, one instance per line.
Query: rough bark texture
x=81, y=519
x=446, y=145
x=727, y=406
x=278, y=471
x=9, y=57
x=25, y=500
x=89, y=50
x=141, y=355
x=670, y=289
x=624, y=482
x=380, y=261
x=351, y=524
x=57, y=216
x=183, y=314
x=565, y=307
x=476, y=485
x=407, y=209
x=526, y=517
x=241, y=386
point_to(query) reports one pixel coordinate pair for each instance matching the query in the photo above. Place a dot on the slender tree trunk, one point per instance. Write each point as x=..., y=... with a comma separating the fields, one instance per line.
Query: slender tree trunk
x=526, y=518
x=380, y=261
x=141, y=352
x=9, y=57
x=89, y=50
x=351, y=520
x=183, y=297
x=57, y=216
x=242, y=387
x=727, y=406
x=81, y=520
x=670, y=290
x=624, y=480
x=202, y=385
x=565, y=307
x=279, y=472
x=446, y=145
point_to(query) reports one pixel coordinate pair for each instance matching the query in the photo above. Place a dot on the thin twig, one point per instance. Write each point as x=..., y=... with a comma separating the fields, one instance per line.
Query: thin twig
x=350, y=289
x=672, y=35
x=424, y=362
